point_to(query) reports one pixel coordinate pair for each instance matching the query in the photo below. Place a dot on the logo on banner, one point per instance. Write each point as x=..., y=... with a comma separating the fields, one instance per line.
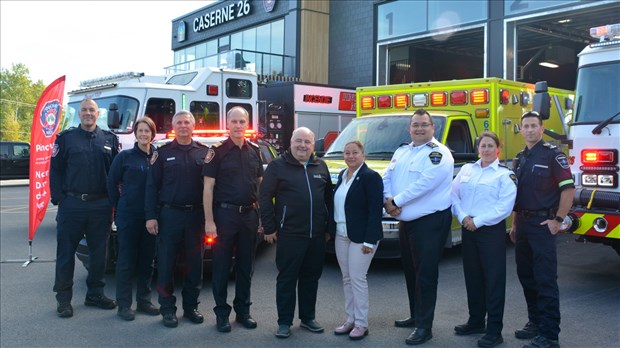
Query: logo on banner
x=269, y=5
x=50, y=117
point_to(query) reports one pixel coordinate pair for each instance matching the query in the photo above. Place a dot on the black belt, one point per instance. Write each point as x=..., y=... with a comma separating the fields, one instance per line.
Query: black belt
x=188, y=207
x=242, y=209
x=86, y=196
x=545, y=213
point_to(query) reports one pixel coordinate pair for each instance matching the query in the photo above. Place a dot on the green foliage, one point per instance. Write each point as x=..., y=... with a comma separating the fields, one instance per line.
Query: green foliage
x=18, y=99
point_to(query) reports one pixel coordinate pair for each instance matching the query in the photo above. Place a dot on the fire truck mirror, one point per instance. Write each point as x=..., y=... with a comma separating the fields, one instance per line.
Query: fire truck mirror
x=542, y=100
x=113, y=116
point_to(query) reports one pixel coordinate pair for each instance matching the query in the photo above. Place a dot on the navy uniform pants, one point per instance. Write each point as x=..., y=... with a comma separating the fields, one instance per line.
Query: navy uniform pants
x=76, y=219
x=179, y=229
x=300, y=265
x=136, y=251
x=537, y=268
x=407, y=263
x=484, y=267
x=236, y=236
x=427, y=237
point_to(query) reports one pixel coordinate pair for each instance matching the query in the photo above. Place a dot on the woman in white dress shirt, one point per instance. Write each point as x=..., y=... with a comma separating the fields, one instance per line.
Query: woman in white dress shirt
x=483, y=195
x=358, y=208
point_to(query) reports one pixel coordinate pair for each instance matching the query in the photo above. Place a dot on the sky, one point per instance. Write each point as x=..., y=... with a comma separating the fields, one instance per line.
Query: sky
x=89, y=39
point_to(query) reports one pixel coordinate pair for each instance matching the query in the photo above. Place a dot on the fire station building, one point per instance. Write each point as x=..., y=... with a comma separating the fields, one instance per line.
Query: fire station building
x=366, y=42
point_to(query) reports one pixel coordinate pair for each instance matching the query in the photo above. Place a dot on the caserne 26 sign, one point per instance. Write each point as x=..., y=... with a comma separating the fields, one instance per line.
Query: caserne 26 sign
x=222, y=15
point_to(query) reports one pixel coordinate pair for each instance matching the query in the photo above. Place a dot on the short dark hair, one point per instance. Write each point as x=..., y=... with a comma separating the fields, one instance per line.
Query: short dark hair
x=492, y=135
x=422, y=112
x=148, y=122
x=532, y=114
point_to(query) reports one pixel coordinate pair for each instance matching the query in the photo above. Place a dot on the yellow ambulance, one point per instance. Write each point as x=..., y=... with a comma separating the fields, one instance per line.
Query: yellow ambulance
x=461, y=110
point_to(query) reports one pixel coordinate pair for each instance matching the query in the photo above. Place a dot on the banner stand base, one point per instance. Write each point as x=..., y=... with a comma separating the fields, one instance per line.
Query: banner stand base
x=30, y=258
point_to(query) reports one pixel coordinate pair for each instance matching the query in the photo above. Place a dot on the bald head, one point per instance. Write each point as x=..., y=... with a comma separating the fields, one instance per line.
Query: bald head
x=302, y=144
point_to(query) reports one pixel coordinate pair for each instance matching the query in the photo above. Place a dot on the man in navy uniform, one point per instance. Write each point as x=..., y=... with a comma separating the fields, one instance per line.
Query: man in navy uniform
x=544, y=196
x=79, y=168
x=174, y=213
x=232, y=172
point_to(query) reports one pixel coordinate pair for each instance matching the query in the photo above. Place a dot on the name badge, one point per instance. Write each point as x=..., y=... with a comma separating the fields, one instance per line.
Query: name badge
x=317, y=176
x=107, y=148
x=171, y=158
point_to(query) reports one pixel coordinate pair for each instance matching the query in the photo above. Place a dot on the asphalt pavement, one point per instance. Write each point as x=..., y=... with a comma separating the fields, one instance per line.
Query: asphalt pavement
x=589, y=280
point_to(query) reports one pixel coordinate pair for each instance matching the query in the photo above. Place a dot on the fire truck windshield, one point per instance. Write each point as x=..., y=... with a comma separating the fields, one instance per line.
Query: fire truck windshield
x=597, y=91
x=127, y=109
x=381, y=135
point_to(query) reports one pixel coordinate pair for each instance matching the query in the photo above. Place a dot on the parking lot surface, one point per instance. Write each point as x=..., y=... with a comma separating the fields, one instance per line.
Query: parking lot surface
x=589, y=280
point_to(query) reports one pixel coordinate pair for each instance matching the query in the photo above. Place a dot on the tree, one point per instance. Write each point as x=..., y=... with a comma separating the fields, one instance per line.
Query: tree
x=18, y=99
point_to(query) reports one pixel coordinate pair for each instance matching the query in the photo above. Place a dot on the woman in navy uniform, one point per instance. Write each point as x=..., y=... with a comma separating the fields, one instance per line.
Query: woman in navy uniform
x=544, y=197
x=483, y=195
x=79, y=168
x=136, y=247
x=358, y=208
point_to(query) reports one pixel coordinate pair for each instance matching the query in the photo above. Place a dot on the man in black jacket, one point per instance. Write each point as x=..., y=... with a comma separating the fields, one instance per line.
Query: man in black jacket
x=302, y=188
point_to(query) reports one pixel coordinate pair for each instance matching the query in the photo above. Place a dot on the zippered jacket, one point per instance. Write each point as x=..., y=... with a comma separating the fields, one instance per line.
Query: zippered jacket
x=296, y=199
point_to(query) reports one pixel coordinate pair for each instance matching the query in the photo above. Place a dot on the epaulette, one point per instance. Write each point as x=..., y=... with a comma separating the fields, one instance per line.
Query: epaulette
x=200, y=144
x=107, y=131
x=65, y=131
x=403, y=144
x=549, y=146
x=503, y=165
x=218, y=144
x=253, y=144
x=432, y=145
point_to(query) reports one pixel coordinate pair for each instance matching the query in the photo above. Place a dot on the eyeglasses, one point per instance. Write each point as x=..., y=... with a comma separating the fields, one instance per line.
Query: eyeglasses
x=420, y=125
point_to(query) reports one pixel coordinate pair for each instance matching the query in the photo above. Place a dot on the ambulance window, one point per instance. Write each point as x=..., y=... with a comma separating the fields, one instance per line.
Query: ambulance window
x=207, y=114
x=161, y=110
x=459, y=139
x=248, y=107
x=181, y=79
x=237, y=88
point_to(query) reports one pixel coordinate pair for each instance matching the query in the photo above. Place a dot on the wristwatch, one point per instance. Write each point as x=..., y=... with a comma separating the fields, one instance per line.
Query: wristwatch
x=559, y=219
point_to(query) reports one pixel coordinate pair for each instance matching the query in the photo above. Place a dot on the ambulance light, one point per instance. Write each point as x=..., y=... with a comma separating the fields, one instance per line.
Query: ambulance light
x=504, y=96
x=368, y=102
x=439, y=99
x=420, y=100
x=212, y=90
x=458, y=97
x=401, y=101
x=604, y=180
x=605, y=32
x=479, y=96
x=384, y=101
x=482, y=113
x=591, y=156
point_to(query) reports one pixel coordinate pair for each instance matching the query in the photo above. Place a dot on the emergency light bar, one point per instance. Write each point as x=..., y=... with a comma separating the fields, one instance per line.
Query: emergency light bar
x=439, y=99
x=606, y=157
x=368, y=102
x=605, y=32
x=401, y=101
x=250, y=133
x=111, y=78
x=384, y=101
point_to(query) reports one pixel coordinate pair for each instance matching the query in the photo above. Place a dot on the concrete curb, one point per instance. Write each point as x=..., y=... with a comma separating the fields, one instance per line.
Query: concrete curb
x=19, y=182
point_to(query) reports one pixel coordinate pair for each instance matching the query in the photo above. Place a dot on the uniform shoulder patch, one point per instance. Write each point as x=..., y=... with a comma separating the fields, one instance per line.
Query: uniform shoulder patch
x=432, y=145
x=253, y=144
x=562, y=160
x=435, y=157
x=209, y=156
x=55, y=150
x=513, y=177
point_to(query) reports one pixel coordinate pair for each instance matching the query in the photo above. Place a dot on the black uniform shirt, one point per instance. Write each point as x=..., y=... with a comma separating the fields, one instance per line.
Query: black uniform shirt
x=175, y=178
x=127, y=180
x=542, y=172
x=235, y=170
x=81, y=161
